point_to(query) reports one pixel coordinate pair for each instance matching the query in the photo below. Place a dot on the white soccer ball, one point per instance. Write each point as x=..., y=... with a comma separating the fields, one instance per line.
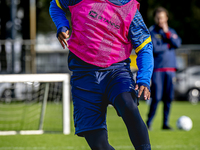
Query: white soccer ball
x=184, y=123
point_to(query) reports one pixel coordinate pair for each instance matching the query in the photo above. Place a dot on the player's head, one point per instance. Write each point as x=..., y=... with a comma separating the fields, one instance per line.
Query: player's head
x=160, y=16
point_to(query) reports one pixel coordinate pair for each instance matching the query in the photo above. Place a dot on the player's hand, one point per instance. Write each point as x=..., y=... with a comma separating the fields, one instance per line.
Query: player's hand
x=144, y=89
x=175, y=36
x=165, y=27
x=62, y=36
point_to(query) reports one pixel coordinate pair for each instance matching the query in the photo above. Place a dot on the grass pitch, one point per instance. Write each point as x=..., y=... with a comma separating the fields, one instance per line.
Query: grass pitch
x=118, y=136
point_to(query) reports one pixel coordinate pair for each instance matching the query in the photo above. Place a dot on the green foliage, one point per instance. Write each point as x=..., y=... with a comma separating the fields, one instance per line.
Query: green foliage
x=118, y=137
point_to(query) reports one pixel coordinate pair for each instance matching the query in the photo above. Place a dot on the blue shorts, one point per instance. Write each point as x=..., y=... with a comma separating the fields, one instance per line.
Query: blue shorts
x=92, y=91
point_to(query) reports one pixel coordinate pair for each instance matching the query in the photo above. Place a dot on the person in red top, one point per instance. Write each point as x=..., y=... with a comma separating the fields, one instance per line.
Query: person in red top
x=165, y=41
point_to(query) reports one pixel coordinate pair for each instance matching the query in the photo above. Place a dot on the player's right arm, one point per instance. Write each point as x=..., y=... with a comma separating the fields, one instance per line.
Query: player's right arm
x=57, y=13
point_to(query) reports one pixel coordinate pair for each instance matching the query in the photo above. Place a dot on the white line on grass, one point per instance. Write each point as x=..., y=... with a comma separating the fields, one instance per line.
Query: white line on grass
x=174, y=146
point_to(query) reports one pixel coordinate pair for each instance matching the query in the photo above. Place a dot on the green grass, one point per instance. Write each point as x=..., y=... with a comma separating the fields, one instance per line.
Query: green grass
x=118, y=137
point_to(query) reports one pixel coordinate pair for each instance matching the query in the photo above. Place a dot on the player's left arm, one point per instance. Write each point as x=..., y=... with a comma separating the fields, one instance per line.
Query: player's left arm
x=141, y=40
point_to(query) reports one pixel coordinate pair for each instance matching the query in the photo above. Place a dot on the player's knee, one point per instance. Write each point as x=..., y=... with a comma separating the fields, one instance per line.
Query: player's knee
x=130, y=110
x=130, y=107
x=126, y=104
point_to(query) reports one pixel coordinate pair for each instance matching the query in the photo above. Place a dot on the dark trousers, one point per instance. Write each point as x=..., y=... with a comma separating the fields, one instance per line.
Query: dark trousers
x=161, y=89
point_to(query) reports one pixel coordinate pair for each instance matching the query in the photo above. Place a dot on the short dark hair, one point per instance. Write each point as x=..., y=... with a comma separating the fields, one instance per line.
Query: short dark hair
x=160, y=9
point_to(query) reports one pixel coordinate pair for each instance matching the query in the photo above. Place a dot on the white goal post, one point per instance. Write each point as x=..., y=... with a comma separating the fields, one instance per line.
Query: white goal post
x=45, y=78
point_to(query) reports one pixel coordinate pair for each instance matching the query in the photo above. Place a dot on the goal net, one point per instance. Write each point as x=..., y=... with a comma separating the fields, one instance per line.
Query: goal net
x=34, y=103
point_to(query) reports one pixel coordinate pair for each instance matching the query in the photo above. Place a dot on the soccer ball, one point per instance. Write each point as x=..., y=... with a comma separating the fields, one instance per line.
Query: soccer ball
x=184, y=123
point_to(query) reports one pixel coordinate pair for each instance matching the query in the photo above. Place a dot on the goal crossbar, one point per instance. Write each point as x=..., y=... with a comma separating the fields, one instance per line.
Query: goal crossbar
x=65, y=78
x=34, y=78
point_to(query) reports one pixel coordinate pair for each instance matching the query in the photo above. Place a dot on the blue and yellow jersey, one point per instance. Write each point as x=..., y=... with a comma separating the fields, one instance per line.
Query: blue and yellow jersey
x=138, y=34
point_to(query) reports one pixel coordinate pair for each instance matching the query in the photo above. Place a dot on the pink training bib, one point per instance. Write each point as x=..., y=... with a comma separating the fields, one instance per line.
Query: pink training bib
x=100, y=31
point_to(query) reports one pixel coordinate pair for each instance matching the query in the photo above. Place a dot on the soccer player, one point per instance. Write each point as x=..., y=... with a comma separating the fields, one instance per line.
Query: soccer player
x=165, y=41
x=104, y=32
